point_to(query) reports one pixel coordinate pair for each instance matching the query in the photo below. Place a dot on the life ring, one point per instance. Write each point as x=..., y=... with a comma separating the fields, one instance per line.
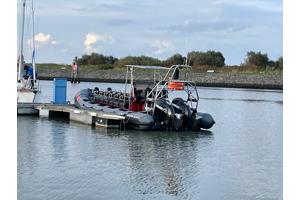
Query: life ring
x=176, y=86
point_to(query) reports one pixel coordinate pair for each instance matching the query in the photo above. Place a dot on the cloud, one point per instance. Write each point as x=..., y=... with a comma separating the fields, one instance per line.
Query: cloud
x=65, y=50
x=266, y=5
x=94, y=41
x=42, y=39
x=215, y=25
x=87, y=8
x=162, y=46
x=230, y=26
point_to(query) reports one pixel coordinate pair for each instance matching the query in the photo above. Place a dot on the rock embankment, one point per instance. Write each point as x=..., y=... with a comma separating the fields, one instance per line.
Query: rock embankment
x=263, y=81
x=238, y=80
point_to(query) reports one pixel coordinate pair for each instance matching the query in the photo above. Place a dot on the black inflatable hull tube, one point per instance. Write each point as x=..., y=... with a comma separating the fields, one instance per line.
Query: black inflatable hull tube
x=138, y=120
x=204, y=120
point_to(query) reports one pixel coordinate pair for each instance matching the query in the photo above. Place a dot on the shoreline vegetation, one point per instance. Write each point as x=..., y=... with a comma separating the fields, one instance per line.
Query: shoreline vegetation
x=208, y=69
x=268, y=79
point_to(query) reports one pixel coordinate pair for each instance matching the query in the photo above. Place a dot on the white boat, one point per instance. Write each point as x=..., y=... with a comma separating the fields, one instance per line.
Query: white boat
x=27, y=89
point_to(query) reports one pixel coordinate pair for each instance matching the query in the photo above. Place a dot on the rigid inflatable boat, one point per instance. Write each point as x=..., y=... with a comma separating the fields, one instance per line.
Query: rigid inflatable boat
x=150, y=108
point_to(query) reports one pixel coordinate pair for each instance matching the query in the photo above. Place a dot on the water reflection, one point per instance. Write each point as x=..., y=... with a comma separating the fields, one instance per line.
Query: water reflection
x=58, y=140
x=246, y=100
x=160, y=162
x=27, y=154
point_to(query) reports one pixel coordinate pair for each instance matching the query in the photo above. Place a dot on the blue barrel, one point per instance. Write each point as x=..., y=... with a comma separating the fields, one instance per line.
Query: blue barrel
x=60, y=91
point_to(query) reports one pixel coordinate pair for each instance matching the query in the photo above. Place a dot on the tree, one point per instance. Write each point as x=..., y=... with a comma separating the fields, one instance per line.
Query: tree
x=271, y=63
x=111, y=60
x=176, y=59
x=211, y=58
x=257, y=59
x=279, y=63
x=83, y=60
x=96, y=59
x=138, y=60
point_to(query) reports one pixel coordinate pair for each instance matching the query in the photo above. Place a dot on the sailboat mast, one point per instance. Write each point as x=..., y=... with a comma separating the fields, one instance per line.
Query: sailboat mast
x=22, y=38
x=33, y=43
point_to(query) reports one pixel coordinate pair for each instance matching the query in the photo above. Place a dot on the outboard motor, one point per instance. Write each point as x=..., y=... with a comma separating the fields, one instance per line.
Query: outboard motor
x=183, y=109
x=177, y=122
x=165, y=115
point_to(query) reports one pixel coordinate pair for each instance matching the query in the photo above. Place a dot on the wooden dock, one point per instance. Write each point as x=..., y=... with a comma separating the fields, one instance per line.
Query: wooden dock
x=69, y=111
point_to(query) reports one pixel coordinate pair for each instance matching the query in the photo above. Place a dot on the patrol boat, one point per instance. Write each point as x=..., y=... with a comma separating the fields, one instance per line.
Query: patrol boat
x=152, y=107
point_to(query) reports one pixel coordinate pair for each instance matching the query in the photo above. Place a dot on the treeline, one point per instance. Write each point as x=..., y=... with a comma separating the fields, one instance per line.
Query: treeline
x=196, y=59
x=96, y=59
x=262, y=60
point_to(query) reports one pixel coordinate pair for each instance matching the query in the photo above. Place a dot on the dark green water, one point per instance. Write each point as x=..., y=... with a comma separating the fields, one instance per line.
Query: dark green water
x=240, y=158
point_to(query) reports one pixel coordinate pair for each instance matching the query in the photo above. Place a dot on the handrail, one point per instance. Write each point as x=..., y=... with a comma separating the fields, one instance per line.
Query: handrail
x=162, y=84
x=174, y=67
x=156, y=91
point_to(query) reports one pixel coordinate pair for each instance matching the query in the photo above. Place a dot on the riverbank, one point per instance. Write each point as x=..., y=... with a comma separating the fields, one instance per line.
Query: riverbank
x=206, y=80
x=260, y=80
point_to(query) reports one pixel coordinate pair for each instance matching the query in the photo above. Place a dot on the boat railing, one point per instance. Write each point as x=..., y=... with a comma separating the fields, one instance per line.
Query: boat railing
x=174, y=75
x=170, y=75
x=188, y=86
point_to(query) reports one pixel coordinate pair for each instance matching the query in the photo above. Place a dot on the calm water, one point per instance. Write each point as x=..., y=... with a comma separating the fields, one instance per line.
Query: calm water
x=241, y=158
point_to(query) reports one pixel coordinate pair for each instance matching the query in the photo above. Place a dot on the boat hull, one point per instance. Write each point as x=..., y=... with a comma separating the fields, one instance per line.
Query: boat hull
x=26, y=96
x=26, y=109
x=25, y=99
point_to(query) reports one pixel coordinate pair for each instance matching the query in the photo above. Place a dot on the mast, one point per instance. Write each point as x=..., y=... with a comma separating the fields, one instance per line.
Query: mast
x=33, y=44
x=22, y=38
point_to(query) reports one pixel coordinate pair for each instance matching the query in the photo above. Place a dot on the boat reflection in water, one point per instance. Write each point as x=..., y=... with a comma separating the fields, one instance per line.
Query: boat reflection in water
x=160, y=162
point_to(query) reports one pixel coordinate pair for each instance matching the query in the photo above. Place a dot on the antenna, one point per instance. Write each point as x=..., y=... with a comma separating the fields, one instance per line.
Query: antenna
x=187, y=59
x=186, y=44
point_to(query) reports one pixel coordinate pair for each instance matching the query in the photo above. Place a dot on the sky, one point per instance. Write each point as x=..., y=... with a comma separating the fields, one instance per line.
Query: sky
x=158, y=28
